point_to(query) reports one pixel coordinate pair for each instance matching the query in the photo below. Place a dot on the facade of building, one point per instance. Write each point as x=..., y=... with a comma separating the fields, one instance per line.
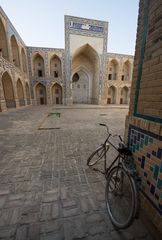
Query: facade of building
x=144, y=122
x=83, y=72
x=14, y=79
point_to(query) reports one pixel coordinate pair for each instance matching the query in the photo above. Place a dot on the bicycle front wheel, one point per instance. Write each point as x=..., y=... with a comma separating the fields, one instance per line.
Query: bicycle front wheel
x=97, y=155
x=120, y=195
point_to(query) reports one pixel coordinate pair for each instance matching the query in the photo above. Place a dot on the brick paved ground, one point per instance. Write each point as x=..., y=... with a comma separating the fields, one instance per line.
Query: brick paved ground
x=46, y=190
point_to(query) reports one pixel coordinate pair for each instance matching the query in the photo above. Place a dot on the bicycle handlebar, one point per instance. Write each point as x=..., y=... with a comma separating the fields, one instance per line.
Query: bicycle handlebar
x=104, y=125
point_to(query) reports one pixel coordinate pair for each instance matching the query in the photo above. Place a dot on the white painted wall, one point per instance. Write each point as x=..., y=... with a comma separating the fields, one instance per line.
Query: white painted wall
x=76, y=41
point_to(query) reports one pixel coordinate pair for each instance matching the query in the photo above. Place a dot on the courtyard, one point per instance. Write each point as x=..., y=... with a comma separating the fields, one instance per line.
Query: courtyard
x=46, y=190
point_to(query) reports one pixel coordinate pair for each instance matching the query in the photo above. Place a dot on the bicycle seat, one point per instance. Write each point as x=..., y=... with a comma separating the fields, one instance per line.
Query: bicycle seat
x=124, y=150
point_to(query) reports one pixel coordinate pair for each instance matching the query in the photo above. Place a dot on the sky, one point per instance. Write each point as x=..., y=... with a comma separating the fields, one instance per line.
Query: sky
x=40, y=23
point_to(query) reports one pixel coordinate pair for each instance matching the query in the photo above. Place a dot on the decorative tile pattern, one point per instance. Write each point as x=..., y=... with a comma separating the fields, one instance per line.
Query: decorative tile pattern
x=147, y=149
x=87, y=27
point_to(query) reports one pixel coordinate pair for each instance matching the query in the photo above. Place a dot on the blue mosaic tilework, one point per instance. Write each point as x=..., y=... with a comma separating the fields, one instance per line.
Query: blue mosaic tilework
x=150, y=162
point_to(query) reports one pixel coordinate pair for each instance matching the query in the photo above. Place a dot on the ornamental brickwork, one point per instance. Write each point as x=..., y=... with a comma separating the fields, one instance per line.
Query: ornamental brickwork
x=143, y=124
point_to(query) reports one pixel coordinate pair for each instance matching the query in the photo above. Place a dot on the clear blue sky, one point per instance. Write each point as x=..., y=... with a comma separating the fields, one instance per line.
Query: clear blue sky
x=41, y=22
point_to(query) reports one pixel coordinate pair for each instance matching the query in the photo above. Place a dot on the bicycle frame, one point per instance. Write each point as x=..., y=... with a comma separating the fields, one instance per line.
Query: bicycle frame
x=117, y=173
x=107, y=169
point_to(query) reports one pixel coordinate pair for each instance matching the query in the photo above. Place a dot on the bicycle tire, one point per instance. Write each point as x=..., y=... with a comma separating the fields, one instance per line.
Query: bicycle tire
x=121, y=215
x=97, y=155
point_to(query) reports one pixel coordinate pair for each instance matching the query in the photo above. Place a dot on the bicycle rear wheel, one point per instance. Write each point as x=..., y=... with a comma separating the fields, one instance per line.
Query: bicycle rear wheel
x=120, y=195
x=97, y=155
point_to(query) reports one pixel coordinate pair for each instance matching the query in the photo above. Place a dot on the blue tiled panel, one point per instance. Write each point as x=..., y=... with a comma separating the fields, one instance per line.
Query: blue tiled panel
x=143, y=162
x=156, y=172
x=138, y=140
x=152, y=189
x=159, y=153
x=159, y=183
x=161, y=167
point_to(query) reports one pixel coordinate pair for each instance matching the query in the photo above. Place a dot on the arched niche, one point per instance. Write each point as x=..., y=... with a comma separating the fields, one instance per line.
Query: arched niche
x=111, y=95
x=27, y=90
x=38, y=66
x=3, y=41
x=8, y=90
x=15, y=51
x=55, y=67
x=126, y=71
x=124, y=95
x=87, y=59
x=40, y=93
x=20, y=92
x=113, y=70
x=56, y=94
x=23, y=56
x=81, y=87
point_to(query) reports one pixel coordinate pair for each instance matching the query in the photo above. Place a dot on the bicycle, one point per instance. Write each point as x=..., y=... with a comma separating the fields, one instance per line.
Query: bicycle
x=121, y=192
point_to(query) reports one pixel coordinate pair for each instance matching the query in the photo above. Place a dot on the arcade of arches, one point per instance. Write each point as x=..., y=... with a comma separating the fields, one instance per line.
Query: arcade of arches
x=41, y=94
x=114, y=94
x=37, y=76
x=11, y=96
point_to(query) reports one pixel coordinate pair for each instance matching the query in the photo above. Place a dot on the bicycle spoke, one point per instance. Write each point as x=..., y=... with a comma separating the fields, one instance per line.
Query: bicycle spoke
x=120, y=197
x=97, y=155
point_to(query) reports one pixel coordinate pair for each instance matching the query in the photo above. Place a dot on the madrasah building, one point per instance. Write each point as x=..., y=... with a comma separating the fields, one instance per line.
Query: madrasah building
x=84, y=72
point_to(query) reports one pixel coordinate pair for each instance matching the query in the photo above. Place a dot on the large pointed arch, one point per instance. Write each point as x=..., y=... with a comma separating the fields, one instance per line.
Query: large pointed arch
x=55, y=67
x=87, y=57
x=15, y=51
x=56, y=91
x=40, y=94
x=3, y=41
x=8, y=90
x=38, y=66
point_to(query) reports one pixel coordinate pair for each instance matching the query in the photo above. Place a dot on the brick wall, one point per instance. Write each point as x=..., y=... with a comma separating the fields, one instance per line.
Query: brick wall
x=144, y=121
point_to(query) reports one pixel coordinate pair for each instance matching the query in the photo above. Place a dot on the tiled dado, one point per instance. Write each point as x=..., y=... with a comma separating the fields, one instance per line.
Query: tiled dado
x=147, y=149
